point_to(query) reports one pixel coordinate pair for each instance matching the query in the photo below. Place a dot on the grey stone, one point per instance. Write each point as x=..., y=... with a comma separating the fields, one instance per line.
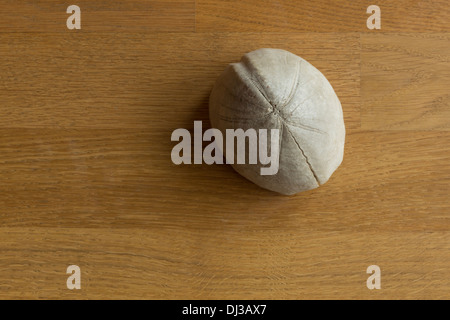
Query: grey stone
x=275, y=89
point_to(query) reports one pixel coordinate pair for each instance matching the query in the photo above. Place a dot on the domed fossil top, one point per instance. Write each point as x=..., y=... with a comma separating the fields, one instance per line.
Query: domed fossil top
x=275, y=89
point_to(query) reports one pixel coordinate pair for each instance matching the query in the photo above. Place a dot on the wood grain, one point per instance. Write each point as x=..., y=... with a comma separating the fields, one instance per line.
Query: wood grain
x=320, y=16
x=243, y=263
x=125, y=179
x=134, y=80
x=405, y=81
x=98, y=16
x=86, y=176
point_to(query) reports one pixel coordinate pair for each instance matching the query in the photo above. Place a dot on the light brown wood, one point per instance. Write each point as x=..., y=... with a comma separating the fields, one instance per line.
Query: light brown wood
x=226, y=262
x=405, y=81
x=124, y=178
x=86, y=176
x=98, y=16
x=141, y=80
x=320, y=15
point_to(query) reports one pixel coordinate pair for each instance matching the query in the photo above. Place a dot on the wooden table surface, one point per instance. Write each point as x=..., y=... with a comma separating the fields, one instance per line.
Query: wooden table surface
x=86, y=176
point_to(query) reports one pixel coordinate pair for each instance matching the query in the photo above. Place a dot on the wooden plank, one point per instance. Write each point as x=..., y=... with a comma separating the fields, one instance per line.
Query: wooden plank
x=239, y=262
x=125, y=179
x=320, y=16
x=133, y=80
x=86, y=176
x=98, y=16
x=405, y=81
